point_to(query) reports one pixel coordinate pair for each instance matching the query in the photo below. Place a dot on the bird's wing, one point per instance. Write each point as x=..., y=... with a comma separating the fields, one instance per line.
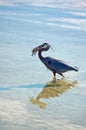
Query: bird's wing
x=57, y=65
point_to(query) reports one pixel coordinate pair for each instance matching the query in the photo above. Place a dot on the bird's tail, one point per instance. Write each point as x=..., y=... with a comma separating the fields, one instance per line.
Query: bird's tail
x=76, y=68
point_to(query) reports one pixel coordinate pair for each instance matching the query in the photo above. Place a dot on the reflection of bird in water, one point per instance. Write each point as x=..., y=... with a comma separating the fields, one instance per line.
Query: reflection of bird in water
x=51, y=90
x=55, y=65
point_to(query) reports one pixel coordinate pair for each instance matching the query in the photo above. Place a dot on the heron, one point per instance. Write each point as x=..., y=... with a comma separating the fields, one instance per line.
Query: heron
x=55, y=65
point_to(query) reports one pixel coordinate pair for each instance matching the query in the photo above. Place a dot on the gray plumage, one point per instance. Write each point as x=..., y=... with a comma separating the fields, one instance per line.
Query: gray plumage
x=55, y=65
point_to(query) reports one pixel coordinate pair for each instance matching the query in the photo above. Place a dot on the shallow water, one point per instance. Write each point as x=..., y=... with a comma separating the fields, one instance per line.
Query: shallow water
x=26, y=102
x=29, y=99
x=56, y=105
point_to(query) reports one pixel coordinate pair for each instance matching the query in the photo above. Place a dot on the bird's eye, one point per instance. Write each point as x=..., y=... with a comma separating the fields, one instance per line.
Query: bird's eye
x=44, y=45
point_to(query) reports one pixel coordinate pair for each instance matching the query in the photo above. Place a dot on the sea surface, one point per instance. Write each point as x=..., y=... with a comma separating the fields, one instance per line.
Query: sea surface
x=29, y=98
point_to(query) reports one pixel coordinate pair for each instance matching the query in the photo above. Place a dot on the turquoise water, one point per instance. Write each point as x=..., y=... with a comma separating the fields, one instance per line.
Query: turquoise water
x=24, y=26
x=20, y=81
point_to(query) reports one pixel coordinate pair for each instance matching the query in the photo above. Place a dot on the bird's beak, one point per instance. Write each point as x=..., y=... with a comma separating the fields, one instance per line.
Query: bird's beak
x=51, y=47
x=35, y=50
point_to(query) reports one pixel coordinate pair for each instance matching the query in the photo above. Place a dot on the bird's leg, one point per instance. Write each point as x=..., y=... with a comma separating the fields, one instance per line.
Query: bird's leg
x=62, y=75
x=54, y=78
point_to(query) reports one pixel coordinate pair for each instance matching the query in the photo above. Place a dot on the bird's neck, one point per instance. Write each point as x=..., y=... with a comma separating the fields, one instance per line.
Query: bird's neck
x=40, y=53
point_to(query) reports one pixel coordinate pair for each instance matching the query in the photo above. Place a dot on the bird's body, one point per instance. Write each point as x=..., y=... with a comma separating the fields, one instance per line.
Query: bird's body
x=55, y=65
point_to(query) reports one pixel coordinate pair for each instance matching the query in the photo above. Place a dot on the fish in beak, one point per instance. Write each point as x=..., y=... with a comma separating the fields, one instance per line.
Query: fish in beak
x=35, y=50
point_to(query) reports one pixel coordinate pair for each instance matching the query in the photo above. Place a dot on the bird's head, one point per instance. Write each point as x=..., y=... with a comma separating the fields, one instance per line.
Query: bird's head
x=36, y=49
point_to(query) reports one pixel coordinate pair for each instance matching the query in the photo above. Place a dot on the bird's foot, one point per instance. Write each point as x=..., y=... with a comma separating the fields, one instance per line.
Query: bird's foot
x=63, y=78
x=54, y=79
